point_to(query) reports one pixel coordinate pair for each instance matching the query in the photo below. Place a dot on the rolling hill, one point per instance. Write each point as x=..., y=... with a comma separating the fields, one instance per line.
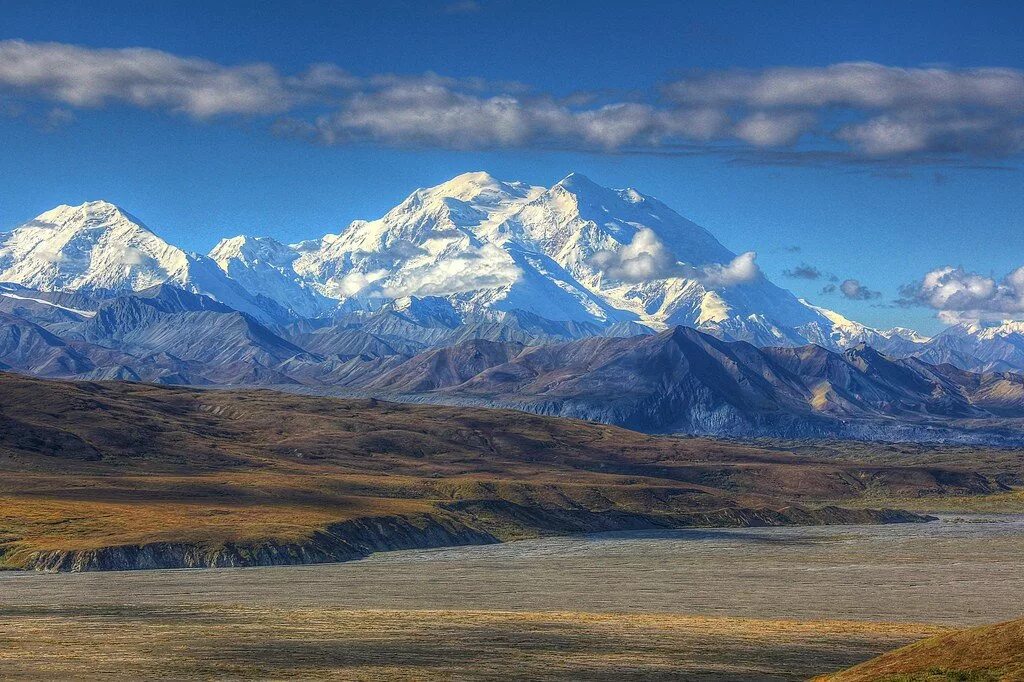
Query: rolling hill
x=102, y=475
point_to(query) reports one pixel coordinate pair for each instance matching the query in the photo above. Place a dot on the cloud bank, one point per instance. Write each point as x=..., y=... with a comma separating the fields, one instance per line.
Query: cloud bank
x=859, y=111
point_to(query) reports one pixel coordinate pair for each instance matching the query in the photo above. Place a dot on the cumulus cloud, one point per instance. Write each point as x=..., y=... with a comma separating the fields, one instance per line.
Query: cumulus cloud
x=742, y=268
x=353, y=283
x=895, y=111
x=646, y=257
x=855, y=291
x=863, y=85
x=129, y=255
x=960, y=295
x=86, y=77
x=857, y=111
x=764, y=129
x=439, y=115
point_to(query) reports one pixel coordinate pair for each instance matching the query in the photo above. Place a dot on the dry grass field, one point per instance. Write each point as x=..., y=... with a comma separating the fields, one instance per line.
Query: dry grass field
x=259, y=643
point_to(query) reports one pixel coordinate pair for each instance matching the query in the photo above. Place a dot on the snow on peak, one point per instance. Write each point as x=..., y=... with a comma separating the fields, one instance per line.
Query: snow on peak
x=97, y=245
x=577, y=182
x=906, y=334
x=490, y=245
x=94, y=245
x=987, y=331
x=266, y=266
x=251, y=249
x=481, y=188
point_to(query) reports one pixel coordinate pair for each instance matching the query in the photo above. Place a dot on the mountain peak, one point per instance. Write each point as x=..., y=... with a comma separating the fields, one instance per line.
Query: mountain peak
x=248, y=248
x=91, y=214
x=583, y=188
x=577, y=182
x=480, y=187
x=477, y=178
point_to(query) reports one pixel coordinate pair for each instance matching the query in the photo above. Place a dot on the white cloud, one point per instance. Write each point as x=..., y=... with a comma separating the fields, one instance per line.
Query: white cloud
x=352, y=283
x=851, y=110
x=960, y=295
x=763, y=129
x=742, y=268
x=894, y=111
x=129, y=255
x=438, y=115
x=646, y=257
x=85, y=77
x=913, y=132
x=861, y=85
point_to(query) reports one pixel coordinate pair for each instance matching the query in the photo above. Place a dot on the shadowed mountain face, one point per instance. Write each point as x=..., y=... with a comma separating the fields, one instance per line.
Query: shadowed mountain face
x=680, y=380
x=684, y=381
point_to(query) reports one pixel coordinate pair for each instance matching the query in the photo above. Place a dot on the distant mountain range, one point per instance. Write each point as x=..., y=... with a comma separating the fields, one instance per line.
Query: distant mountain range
x=679, y=380
x=574, y=300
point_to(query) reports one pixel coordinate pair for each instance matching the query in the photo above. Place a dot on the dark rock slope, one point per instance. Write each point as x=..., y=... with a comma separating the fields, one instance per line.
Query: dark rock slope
x=685, y=381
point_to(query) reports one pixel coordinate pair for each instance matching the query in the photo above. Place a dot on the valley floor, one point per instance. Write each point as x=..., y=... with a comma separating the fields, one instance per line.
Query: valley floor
x=725, y=604
x=100, y=476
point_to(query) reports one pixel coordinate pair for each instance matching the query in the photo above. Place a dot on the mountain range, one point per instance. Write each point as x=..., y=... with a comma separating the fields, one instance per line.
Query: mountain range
x=490, y=292
x=575, y=252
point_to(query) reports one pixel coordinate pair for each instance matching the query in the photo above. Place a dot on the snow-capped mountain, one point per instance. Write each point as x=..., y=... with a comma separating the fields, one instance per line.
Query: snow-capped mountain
x=450, y=241
x=846, y=333
x=98, y=246
x=573, y=252
x=978, y=346
x=265, y=265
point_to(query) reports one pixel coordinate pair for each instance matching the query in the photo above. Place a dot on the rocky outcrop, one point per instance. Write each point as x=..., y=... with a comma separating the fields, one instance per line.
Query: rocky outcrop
x=343, y=541
x=465, y=523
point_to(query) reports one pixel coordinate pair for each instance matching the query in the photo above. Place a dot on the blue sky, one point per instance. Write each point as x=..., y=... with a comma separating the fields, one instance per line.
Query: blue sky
x=882, y=215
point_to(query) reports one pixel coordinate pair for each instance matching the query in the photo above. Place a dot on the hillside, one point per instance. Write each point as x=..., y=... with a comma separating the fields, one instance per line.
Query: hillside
x=120, y=475
x=989, y=653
